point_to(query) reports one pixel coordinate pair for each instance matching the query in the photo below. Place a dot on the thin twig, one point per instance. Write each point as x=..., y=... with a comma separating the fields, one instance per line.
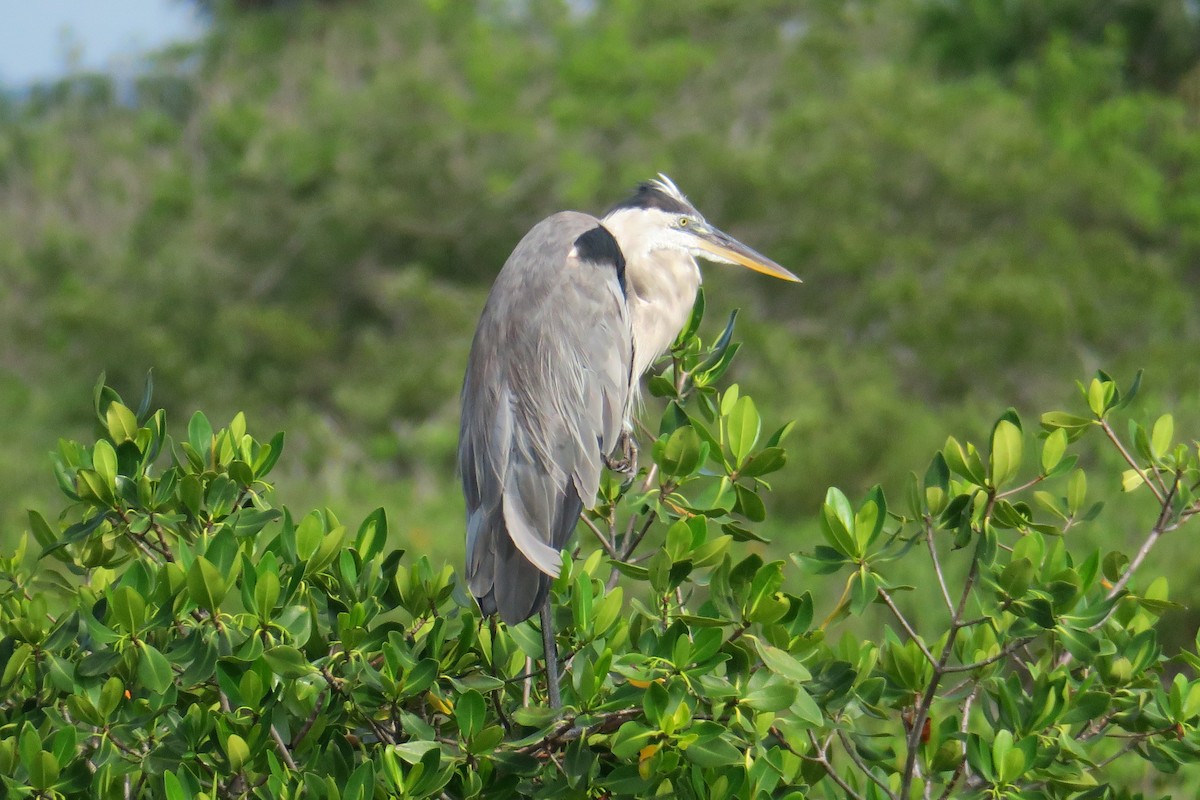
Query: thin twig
x=1004, y=653
x=823, y=759
x=1029, y=484
x=850, y=751
x=641, y=534
x=1129, y=745
x=591, y=526
x=937, y=565
x=628, y=548
x=312, y=717
x=282, y=747
x=567, y=731
x=914, y=735
x=1160, y=527
x=1159, y=491
x=963, y=769
x=912, y=634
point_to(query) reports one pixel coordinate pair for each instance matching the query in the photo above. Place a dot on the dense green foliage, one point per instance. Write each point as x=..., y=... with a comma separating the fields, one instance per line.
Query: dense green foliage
x=212, y=644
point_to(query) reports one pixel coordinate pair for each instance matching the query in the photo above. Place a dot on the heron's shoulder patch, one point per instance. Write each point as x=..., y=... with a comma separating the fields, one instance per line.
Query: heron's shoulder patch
x=599, y=246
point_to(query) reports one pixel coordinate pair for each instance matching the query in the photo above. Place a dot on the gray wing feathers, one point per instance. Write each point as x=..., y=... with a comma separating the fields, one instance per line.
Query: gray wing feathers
x=544, y=399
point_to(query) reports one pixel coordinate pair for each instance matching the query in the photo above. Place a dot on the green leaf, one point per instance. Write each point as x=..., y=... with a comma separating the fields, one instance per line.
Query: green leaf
x=89, y=484
x=711, y=552
x=1002, y=745
x=1086, y=707
x=1006, y=452
x=1114, y=564
x=837, y=522
x=743, y=426
x=1130, y=480
x=469, y=713
x=764, y=462
x=21, y=655
x=964, y=462
x=781, y=662
x=331, y=544
x=806, y=708
x=1053, y=449
x=41, y=529
x=1013, y=766
x=221, y=496
x=238, y=752
x=864, y=588
x=43, y=772
x=361, y=783
x=372, y=535
x=1074, y=425
x=693, y=323
x=104, y=460
x=309, y=535
x=761, y=603
x=772, y=697
x=286, y=661
x=679, y=540
x=1099, y=396
x=1164, y=432
x=205, y=585
x=1076, y=491
x=64, y=743
x=630, y=738
x=1131, y=392
x=581, y=601
x=681, y=454
x=980, y=757
x=1016, y=577
x=154, y=671
x=147, y=395
x=266, y=593
x=749, y=504
x=712, y=753
x=173, y=789
x=122, y=424
x=200, y=434
x=127, y=608
x=868, y=522
x=268, y=456
x=102, y=396
x=535, y=716
x=655, y=702
x=420, y=677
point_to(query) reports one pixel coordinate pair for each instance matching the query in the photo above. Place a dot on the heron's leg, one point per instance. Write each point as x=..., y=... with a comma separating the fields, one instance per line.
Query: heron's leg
x=551, y=650
x=627, y=462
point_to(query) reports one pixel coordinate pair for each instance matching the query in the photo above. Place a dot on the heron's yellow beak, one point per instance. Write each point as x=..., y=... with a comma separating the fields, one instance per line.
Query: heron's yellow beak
x=721, y=246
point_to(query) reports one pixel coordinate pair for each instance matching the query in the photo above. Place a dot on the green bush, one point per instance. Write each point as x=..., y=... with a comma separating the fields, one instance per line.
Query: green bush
x=182, y=636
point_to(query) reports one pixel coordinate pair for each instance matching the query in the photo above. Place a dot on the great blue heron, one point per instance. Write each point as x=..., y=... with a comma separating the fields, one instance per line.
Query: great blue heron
x=581, y=309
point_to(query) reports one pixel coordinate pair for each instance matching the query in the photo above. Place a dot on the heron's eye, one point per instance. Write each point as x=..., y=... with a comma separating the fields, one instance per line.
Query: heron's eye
x=684, y=222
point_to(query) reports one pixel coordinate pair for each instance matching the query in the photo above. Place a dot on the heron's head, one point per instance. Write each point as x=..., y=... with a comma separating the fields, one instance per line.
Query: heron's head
x=659, y=217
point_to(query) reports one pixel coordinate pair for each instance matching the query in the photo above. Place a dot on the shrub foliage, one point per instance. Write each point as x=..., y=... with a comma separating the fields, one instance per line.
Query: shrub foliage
x=182, y=635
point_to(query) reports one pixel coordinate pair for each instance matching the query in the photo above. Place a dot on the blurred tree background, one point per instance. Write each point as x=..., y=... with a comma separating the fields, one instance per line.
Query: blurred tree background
x=300, y=216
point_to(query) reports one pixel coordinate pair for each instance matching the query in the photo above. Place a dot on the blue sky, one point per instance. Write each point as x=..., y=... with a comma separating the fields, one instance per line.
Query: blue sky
x=38, y=37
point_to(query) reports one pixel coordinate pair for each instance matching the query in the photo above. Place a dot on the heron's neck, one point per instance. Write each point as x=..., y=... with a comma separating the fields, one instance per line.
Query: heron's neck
x=661, y=288
x=660, y=285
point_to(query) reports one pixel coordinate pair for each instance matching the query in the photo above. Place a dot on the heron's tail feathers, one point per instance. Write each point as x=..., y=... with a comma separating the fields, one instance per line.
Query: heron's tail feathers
x=500, y=572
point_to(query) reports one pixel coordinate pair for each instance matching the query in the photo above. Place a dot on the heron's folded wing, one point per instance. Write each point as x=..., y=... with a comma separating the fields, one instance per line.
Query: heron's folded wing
x=544, y=398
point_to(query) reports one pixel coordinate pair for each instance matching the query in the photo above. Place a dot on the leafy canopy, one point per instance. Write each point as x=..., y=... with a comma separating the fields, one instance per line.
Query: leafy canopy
x=183, y=636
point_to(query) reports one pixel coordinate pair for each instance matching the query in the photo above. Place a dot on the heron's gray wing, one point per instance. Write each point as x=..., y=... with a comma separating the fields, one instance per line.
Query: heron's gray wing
x=544, y=399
